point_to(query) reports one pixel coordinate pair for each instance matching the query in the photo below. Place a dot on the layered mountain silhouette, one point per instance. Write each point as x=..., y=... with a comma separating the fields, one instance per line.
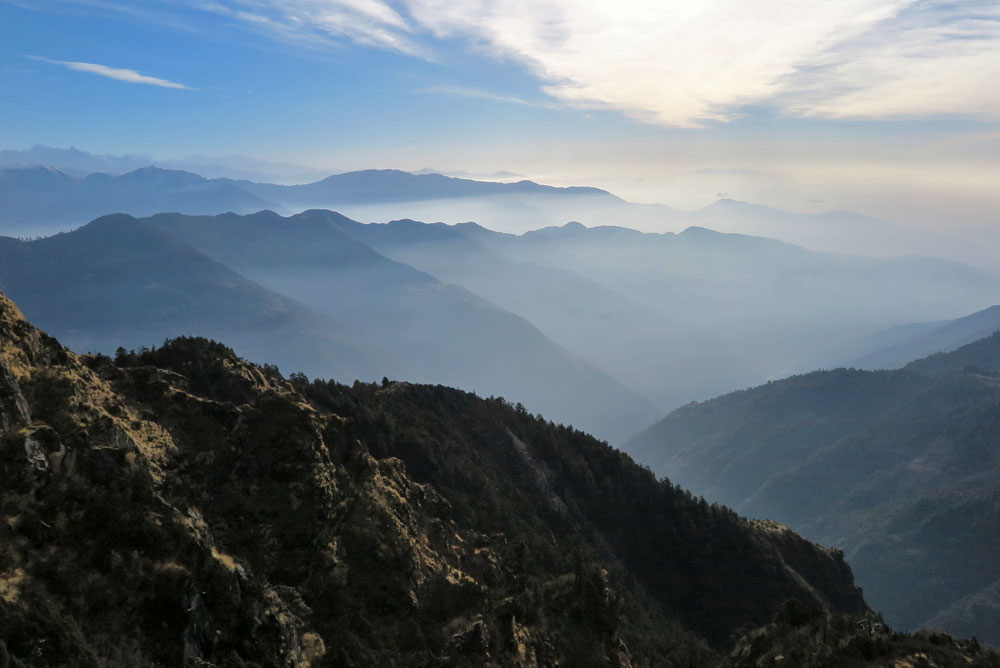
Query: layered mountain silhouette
x=243, y=185
x=375, y=186
x=682, y=316
x=121, y=281
x=661, y=318
x=41, y=200
x=895, y=347
x=180, y=506
x=617, y=332
x=898, y=468
x=81, y=163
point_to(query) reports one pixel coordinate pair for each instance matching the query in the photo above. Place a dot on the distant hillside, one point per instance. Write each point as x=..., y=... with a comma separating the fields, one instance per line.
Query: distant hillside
x=182, y=506
x=81, y=163
x=620, y=334
x=897, y=346
x=71, y=160
x=898, y=468
x=40, y=200
x=120, y=282
x=832, y=231
x=682, y=316
x=375, y=186
x=445, y=333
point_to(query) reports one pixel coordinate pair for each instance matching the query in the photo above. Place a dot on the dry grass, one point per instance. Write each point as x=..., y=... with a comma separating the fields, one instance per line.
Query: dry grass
x=10, y=584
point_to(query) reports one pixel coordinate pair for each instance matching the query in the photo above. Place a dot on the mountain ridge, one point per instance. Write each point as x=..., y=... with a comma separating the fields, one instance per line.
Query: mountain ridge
x=895, y=467
x=391, y=318
x=233, y=516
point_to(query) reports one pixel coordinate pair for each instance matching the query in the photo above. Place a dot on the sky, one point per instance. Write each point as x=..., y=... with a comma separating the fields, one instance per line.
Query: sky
x=887, y=107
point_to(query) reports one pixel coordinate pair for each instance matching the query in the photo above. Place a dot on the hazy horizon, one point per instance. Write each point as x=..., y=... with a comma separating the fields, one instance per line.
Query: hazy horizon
x=883, y=107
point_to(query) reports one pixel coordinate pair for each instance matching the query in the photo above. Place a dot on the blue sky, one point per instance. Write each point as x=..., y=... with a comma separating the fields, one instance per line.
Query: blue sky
x=890, y=106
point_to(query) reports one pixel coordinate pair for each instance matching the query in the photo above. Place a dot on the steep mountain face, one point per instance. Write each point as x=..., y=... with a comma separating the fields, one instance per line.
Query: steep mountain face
x=181, y=506
x=897, y=468
x=41, y=200
x=121, y=282
x=446, y=333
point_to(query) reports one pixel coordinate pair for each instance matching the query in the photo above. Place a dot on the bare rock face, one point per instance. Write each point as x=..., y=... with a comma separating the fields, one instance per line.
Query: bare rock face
x=13, y=406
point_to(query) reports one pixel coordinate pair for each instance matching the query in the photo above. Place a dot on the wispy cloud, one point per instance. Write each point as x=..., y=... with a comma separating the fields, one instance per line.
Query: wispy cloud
x=117, y=73
x=367, y=22
x=476, y=93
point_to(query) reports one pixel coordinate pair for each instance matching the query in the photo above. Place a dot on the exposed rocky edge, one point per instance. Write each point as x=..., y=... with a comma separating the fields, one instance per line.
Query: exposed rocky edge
x=806, y=637
x=181, y=506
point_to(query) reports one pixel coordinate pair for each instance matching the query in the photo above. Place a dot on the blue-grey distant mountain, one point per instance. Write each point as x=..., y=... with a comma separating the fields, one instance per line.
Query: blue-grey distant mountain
x=375, y=186
x=895, y=347
x=120, y=282
x=39, y=200
x=80, y=163
x=445, y=333
x=732, y=309
x=898, y=468
x=838, y=231
x=681, y=316
x=637, y=343
x=386, y=194
x=848, y=232
x=72, y=160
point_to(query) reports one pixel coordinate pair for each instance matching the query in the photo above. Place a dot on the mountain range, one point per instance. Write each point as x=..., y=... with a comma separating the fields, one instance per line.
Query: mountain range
x=513, y=205
x=81, y=163
x=652, y=321
x=42, y=200
x=897, y=468
x=682, y=316
x=180, y=506
x=299, y=293
x=119, y=282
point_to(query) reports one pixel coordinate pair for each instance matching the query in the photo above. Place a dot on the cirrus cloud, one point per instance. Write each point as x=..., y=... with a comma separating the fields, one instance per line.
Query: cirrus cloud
x=117, y=73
